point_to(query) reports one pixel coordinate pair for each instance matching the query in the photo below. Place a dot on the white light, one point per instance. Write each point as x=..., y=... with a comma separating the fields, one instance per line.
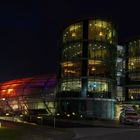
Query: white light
x=68, y=115
x=94, y=85
x=7, y=114
x=57, y=114
x=73, y=113
x=132, y=97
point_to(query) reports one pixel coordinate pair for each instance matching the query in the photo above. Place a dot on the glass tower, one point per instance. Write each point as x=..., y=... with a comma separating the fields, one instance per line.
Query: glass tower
x=87, y=66
x=133, y=71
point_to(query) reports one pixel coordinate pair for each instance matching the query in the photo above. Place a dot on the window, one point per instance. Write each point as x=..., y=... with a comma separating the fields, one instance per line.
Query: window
x=100, y=31
x=71, y=85
x=99, y=88
x=134, y=63
x=71, y=68
x=134, y=49
x=97, y=85
x=98, y=68
x=120, y=64
x=72, y=51
x=134, y=93
x=134, y=76
x=98, y=51
x=120, y=51
x=73, y=32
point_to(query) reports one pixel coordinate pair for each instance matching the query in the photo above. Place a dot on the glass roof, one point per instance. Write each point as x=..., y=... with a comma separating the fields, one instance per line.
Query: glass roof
x=20, y=86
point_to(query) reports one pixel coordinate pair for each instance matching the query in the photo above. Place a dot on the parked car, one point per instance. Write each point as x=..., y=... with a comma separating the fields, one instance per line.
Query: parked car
x=129, y=117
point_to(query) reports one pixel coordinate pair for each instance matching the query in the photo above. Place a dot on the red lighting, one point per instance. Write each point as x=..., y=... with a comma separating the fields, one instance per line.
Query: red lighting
x=24, y=86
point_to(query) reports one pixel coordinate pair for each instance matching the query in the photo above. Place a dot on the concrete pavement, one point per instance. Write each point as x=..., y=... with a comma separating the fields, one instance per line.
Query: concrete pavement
x=105, y=133
x=93, y=123
x=98, y=129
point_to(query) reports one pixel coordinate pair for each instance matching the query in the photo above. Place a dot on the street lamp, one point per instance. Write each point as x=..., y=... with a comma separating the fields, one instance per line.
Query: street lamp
x=41, y=119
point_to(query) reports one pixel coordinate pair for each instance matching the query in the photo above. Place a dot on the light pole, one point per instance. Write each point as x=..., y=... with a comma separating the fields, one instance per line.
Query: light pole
x=54, y=119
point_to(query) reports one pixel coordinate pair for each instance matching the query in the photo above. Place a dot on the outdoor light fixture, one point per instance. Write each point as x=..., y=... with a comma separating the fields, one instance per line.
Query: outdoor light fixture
x=132, y=97
x=39, y=117
x=93, y=69
x=101, y=34
x=73, y=34
x=7, y=114
x=73, y=113
x=58, y=114
x=68, y=115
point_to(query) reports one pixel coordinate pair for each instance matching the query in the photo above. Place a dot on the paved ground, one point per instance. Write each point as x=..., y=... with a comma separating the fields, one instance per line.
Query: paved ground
x=106, y=133
x=36, y=132
x=99, y=130
x=93, y=123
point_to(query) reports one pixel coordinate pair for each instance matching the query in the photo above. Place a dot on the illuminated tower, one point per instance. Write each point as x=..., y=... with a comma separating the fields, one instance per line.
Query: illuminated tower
x=87, y=68
x=133, y=71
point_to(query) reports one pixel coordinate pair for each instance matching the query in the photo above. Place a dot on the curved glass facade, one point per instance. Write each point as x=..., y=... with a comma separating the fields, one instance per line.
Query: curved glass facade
x=87, y=61
x=101, y=31
x=73, y=32
x=28, y=95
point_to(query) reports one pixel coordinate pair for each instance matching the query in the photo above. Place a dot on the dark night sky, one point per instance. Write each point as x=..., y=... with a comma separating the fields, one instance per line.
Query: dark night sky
x=29, y=30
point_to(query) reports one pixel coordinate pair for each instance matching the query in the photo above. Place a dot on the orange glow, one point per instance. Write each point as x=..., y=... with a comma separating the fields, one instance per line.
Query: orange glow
x=73, y=34
x=94, y=62
x=74, y=27
x=70, y=71
x=9, y=88
x=16, y=87
x=10, y=91
x=3, y=90
x=93, y=69
x=132, y=64
x=101, y=34
x=67, y=64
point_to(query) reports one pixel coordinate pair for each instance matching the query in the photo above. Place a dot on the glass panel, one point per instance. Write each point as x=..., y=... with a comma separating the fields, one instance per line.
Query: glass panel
x=120, y=63
x=71, y=85
x=69, y=108
x=71, y=51
x=97, y=86
x=98, y=51
x=100, y=31
x=134, y=60
x=71, y=68
x=134, y=93
x=99, y=68
x=134, y=49
x=134, y=76
x=120, y=51
x=73, y=32
x=134, y=63
x=119, y=91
